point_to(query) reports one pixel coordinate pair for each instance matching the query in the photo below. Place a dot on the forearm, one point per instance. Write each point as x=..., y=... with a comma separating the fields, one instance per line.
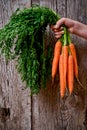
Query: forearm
x=73, y=26
x=80, y=30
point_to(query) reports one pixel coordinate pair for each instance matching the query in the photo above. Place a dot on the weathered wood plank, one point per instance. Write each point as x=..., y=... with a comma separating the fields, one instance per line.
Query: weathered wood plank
x=61, y=7
x=45, y=111
x=77, y=10
x=46, y=105
x=35, y=2
x=15, y=102
x=49, y=111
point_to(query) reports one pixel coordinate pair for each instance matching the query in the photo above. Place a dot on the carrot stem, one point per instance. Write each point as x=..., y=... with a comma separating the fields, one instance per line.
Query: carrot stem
x=65, y=37
x=69, y=38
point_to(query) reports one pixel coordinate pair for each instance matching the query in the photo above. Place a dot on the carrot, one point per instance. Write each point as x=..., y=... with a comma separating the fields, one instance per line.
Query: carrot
x=65, y=53
x=57, y=48
x=57, y=51
x=73, y=52
x=70, y=73
x=61, y=74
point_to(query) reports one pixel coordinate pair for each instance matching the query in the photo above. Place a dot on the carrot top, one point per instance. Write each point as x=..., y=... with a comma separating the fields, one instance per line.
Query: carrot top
x=22, y=38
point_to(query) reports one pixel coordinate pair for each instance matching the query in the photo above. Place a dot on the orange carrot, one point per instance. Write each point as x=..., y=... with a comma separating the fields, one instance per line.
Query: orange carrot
x=57, y=51
x=70, y=73
x=65, y=54
x=73, y=52
x=61, y=74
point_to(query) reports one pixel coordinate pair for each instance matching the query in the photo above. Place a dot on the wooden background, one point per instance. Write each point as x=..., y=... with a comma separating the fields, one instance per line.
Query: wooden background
x=45, y=111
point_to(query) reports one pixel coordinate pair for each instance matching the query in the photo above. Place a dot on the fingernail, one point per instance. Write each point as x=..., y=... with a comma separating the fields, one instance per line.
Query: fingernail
x=62, y=27
x=62, y=32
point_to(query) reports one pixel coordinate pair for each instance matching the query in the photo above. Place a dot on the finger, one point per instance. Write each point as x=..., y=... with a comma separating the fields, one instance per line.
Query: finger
x=58, y=36
x=71, y=30
x=60, y=22
x=59, y=33
x=58, y=30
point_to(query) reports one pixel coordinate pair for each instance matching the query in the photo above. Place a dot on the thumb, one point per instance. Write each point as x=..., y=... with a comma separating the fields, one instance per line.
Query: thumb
x=59, y=23
x=71, y=30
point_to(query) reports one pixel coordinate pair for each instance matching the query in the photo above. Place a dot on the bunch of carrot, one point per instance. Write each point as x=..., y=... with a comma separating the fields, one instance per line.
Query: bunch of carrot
x=66, y=61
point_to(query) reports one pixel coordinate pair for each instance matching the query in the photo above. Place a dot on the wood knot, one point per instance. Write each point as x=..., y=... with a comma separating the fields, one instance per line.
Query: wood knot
x=4, y=114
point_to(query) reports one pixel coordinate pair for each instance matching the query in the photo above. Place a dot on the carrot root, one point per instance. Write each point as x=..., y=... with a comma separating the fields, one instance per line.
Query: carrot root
x=80, y=83
x=61, y=71
x=55, y=62
x=65, y=54
x=73, y=52
x=70, y=74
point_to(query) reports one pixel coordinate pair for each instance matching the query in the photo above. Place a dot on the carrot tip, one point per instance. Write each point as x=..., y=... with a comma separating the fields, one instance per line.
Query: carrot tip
x=52, y=81
x=80, y=83
x=62, y=96
x=70, y=93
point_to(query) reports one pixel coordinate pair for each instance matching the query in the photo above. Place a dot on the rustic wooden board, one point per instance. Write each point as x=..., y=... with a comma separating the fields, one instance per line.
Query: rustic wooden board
x=45, y=111
x=49, y=112
x=78, y=11
x=15, y=102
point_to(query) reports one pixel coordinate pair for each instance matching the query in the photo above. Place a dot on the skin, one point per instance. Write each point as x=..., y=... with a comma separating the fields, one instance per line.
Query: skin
x=73, y=26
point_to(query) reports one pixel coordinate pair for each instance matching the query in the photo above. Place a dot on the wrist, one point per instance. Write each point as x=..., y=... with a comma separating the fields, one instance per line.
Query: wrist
x=80, y=29
x=77, y=27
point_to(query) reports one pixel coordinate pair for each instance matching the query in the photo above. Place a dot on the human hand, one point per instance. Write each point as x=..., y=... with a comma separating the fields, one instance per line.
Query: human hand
x=58, y=29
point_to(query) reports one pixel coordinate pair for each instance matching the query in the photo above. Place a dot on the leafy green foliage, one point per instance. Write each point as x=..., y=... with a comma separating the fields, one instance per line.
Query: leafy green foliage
x=23, y=38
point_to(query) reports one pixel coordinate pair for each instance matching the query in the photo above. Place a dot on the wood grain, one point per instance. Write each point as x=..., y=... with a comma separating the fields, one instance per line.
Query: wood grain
x=14, y=96
x=49, y=111
x=45, y=111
